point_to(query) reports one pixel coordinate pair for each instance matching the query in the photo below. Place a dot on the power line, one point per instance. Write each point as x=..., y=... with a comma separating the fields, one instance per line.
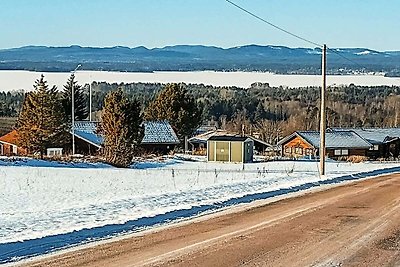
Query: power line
x=273, y=25
x=292, y=34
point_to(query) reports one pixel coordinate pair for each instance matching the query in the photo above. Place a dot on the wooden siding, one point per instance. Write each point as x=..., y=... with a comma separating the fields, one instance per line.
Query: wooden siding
x=297, y=147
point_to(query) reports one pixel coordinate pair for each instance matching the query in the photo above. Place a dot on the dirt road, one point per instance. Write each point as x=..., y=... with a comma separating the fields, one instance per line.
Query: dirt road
x=353, y=225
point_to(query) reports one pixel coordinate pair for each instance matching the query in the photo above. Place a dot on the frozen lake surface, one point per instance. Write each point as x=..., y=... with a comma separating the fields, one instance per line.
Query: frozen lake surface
x=16, y=80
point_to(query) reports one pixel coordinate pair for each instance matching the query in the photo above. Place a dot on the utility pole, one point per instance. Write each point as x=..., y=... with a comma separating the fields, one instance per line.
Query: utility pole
x=322, y=127
x=90, y=101
x=73, y=112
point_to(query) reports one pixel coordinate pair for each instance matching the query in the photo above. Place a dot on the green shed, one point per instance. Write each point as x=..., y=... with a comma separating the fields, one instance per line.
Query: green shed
x=230, y=149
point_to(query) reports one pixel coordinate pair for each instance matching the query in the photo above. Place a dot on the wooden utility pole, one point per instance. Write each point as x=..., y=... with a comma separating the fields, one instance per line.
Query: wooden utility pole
x=322, y=127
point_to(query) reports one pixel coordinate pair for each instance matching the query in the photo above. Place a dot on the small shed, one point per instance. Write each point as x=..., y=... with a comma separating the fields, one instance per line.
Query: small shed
x=230, y=149
x=159, y=137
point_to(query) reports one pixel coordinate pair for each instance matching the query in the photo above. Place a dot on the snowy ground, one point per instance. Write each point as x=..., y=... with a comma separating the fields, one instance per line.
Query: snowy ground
x=60, y=198
x=16, y=80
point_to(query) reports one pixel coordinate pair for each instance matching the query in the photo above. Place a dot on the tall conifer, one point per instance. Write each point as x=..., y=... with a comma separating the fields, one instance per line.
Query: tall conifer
x=80, y=109
x=40, y=123
x=175, y=104
x=121, y=122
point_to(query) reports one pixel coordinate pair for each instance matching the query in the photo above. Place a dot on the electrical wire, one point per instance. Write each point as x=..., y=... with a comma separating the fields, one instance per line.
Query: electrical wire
x=273, y=25
x=292, y=34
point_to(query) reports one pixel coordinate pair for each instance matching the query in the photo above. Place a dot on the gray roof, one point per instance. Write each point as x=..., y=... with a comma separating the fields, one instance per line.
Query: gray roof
x=334, y=139
x=86, y=130
x=155, y=132
x=229, y=138
x=375, y=136
x=159, y=132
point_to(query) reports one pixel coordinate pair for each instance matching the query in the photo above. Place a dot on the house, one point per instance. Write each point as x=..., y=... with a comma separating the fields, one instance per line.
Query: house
x=87, y=140
x=338, y=144
x=385, y=142
x=199, y=142
x=158, y=137
x=8, y=145
x=230, y=149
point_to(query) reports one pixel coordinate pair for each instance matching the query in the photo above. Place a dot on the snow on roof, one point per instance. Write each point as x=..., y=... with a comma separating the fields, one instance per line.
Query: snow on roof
x=159, y=132
x=87, y=131
x=202, y=138
x=375, y=136
x=334, y=139
x=155, y=132
x=229, y=138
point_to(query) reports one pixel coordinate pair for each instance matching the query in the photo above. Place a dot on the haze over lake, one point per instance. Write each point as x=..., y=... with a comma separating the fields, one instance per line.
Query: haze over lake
x=17, y=80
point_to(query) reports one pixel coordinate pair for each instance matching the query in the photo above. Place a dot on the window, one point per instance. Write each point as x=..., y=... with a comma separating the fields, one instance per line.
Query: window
x=341, y=152
x=376, y=147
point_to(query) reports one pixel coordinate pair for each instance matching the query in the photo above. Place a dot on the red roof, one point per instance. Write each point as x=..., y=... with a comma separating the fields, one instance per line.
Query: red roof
x=10, y=138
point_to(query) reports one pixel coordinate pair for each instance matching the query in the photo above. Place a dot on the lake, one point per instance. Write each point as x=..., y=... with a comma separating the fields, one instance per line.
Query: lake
x=16, y=80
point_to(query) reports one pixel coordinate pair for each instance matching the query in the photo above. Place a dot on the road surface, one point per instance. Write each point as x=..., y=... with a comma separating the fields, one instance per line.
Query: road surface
x=357, y=224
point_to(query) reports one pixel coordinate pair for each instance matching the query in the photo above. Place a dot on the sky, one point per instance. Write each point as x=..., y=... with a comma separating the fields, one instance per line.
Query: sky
x=373, y=24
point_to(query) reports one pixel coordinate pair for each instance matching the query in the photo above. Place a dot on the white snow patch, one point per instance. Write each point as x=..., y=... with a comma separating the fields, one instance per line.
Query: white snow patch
x=41, y=201
x=24, y=80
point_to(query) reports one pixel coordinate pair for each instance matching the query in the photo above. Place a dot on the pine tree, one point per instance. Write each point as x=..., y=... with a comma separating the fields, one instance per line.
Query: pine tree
x=80, y=109
x=40, y=123
x=121, y=122
x=175, y=104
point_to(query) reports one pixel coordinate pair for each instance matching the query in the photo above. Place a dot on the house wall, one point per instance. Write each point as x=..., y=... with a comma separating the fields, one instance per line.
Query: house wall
x=297, y=147
x=351, y=152
x=11, y=150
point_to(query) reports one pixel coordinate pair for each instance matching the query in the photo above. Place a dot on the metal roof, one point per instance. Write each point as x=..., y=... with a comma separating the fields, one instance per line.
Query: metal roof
x=375, y=136
x=87, y=131
x=159, y=132
x=229, y=138
x=155, y=132
x=334, y=139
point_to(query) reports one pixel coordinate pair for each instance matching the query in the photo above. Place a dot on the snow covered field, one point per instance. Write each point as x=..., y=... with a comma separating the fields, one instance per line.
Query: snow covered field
x=36, y=202
x=15, y=80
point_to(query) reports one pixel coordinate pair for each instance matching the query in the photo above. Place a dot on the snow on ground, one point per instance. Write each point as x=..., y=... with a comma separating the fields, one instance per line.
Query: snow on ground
x=16, y=80
x=36, y=202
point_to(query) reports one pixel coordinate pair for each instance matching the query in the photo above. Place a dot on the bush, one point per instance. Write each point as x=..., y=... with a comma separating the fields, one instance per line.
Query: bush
x=357, y=159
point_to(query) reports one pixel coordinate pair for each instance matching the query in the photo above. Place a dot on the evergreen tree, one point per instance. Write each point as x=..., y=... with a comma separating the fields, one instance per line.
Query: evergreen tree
x=121, y=122
x=80, y=109
x=40, y=123
x=176, y=105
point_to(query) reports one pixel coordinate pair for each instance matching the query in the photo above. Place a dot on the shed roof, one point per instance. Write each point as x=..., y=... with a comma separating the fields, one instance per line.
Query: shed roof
x=334, y=139
x=229, y=138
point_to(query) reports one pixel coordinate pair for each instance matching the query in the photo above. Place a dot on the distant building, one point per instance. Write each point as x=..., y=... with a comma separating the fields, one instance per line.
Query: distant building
x=9, y=146
x=230, y=149
x=385, y=142
x=338, y=144
x=198, y=143
x=159, y=137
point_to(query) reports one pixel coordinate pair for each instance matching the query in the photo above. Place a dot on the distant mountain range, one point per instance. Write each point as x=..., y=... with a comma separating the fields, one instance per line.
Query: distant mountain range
x=278, y=59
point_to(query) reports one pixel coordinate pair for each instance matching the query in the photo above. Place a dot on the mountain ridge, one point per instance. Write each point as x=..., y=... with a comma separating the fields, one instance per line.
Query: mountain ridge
x=252, y=57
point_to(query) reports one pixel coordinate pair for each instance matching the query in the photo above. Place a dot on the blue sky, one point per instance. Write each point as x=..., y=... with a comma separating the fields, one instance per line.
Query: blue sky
x=157, y=23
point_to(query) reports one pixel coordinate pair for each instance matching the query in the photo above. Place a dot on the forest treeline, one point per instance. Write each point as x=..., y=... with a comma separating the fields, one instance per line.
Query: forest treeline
x=271, y=112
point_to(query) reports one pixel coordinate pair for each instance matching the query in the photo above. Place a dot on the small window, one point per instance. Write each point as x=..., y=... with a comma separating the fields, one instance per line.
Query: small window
x=345, y=152
x=338, y=152
x=376, y=147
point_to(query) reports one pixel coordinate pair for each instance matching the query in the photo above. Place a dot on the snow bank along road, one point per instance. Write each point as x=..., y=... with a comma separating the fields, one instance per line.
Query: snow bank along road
x=352, y=225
